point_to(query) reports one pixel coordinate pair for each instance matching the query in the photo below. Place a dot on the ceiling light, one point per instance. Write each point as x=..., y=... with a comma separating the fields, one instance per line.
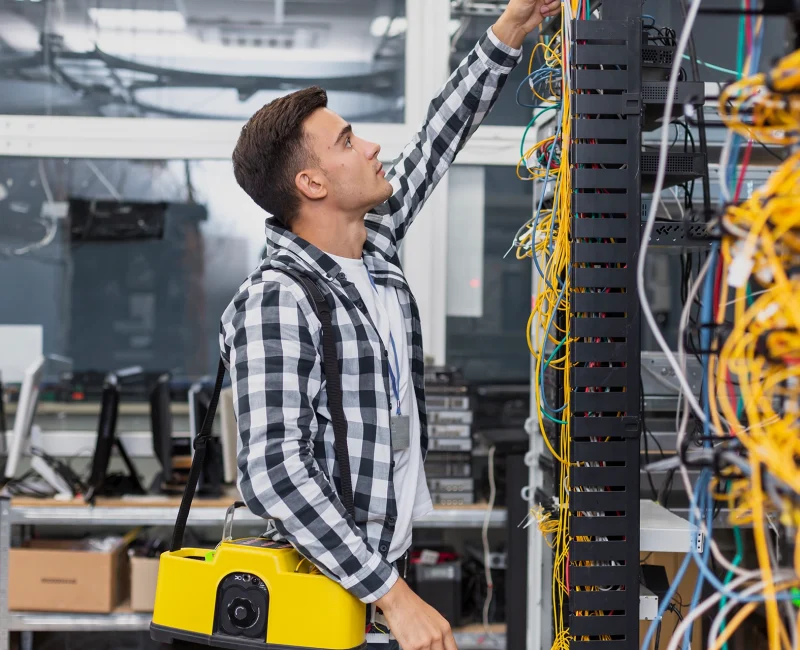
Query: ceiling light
x=137, y=19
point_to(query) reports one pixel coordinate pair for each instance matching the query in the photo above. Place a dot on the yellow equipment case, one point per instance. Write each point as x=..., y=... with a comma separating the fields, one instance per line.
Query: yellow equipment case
x=255, y=593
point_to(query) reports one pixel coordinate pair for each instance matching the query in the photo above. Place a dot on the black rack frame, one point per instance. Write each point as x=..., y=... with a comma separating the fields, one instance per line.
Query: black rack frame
x=605, y=328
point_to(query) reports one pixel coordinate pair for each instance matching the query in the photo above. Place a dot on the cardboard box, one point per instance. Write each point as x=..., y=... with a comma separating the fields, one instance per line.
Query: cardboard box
x=67, y=576
x=144, y=576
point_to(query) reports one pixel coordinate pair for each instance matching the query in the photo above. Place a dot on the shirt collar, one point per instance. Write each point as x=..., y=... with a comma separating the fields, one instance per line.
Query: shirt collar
x=281, y=239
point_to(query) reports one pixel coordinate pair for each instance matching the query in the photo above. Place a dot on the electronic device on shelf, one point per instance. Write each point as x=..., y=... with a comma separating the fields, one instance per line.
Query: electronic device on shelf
x=211, y=474
x=27, y=435
x=101, y=482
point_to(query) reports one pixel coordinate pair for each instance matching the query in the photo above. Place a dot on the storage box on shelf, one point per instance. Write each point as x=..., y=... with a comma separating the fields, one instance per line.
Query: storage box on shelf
x=63, y=575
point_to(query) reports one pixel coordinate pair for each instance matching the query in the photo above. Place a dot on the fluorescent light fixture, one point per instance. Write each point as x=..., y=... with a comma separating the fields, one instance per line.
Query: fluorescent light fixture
x=137, y=19
x=390, y=26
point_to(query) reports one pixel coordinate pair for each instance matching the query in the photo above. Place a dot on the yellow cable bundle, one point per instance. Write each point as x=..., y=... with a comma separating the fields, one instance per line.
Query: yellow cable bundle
x=762, y=356
x=766, y=107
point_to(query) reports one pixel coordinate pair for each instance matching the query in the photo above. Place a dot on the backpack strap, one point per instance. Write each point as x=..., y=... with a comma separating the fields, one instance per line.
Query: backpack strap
x=330, y=364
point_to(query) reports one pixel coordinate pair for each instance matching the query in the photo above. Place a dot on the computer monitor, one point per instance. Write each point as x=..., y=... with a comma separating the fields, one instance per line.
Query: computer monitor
x=199, y=401
x=211, y=478
x=23, y=420
x=25, y=432
x=161, y=424
x=229, y=434
x=100, y=481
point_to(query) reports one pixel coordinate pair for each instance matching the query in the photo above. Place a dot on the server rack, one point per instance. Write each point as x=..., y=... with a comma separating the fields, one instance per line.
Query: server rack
x=604, y=345
x=605, y=322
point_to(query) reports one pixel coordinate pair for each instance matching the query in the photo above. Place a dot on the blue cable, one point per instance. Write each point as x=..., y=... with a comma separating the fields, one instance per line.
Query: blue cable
x=706, y=318
x=541, y=203
x=662, y=606
x=541, y=74
x=544, y=403
x=700, y=498
x=714, y=581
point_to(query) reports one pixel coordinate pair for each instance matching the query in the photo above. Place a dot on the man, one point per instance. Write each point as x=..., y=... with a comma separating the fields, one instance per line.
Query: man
x=339, y=217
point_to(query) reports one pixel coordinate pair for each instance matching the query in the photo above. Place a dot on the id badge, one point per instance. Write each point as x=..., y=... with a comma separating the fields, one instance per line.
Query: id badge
x=400, y=426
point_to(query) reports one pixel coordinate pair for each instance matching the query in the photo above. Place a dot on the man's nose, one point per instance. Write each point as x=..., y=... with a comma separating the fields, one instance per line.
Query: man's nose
x=373, y=150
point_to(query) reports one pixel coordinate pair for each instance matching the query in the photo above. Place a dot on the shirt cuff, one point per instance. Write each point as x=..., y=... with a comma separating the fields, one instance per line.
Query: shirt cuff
x=496, y=54
x=372, y=580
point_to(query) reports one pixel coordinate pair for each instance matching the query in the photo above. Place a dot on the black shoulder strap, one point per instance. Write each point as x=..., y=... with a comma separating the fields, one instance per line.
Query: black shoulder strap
x=333, y=380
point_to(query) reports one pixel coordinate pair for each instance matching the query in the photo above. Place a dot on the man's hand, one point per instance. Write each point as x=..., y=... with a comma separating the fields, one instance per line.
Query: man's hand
x=521, y=17
x=415, y=624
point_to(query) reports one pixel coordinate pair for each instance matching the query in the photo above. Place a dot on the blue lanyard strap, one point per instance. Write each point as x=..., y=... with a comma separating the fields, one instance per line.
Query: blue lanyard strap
x=392, y=377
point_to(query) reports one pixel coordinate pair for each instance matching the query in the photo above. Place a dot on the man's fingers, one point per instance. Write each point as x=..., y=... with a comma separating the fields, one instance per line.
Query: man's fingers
x=437, y=640
x=449, y=641
x=551, y=7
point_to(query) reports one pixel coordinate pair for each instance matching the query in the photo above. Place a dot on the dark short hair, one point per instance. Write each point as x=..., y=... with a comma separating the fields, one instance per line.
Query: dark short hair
x=272, y=148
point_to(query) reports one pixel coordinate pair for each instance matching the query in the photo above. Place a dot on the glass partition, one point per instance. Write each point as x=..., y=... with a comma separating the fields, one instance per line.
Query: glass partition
x=123, y=262
x=200, y=58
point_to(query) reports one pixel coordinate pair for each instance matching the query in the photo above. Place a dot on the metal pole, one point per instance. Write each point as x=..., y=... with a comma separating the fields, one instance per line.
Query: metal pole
x=5, y=544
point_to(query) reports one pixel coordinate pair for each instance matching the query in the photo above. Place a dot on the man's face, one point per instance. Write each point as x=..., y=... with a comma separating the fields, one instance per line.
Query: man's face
x=353, y=174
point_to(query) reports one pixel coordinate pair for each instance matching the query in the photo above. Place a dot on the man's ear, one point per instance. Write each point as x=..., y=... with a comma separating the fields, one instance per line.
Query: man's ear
x=312, y=184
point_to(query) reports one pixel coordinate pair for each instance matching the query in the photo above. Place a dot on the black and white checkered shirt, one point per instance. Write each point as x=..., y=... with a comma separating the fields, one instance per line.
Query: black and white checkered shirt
x=270, y=339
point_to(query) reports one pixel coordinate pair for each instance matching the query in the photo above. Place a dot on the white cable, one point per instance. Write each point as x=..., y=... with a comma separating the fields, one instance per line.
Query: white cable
x=724, y=155
x=703, y=607
x=51, y=224
x=713, y=633
x=45, y=184
x=106, y=183
x=678, y=201
x=485, y=537
x=681, y=428
x=651, y=216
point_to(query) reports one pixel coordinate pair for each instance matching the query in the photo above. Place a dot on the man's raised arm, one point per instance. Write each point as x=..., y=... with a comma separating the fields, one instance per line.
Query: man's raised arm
x=457, y=111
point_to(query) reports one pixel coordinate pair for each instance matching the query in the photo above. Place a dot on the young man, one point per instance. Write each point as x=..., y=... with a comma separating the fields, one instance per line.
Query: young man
x=340, y=218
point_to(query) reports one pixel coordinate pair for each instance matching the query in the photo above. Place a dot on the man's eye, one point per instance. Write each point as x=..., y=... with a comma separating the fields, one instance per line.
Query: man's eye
x=347, y=142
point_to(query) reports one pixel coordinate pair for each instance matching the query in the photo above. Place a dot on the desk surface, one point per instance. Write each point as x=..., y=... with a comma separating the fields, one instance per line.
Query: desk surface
x=157, y=511
x=660, y=531
x=151, y=501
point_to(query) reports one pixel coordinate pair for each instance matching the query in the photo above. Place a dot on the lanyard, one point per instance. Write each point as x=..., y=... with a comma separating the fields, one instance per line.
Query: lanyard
x=393, y=377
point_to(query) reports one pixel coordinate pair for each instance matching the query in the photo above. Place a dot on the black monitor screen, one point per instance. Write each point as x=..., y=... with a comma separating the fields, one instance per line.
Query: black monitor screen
x=200, y=404
x=106, y=434
x=161, y=421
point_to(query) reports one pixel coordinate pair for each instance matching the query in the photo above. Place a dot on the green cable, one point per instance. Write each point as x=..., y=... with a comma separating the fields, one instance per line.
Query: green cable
x=748, y=295
x=740, y=46
x=737, y=536
x=547, y=363
x=530, y=124
x=712, y=66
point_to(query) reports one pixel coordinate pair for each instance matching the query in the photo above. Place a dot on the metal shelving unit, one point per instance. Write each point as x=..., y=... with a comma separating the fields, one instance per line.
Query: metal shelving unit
x=125, y=621
x=143, y=511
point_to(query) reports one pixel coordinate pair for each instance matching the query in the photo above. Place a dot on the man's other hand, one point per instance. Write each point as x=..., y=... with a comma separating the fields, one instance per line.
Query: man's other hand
x=415, y=624
x=521, y=17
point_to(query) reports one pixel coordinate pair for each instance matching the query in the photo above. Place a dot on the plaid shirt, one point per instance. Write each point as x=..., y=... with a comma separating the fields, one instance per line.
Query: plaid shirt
x=270, y=340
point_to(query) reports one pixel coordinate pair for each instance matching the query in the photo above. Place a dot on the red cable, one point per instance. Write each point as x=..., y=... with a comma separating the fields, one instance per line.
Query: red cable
x=748, y=30
x=745, y=162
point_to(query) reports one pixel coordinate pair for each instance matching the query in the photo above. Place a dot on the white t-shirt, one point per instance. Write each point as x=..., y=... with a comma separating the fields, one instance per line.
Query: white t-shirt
x=410, y=487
